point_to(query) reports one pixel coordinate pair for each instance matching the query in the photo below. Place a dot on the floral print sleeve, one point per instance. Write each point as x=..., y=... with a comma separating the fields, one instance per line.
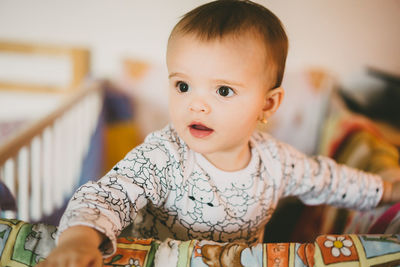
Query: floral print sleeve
x=320, y=180
x=111, y=203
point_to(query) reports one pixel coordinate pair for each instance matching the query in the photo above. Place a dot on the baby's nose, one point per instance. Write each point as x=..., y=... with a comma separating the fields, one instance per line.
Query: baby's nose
x=199, y=105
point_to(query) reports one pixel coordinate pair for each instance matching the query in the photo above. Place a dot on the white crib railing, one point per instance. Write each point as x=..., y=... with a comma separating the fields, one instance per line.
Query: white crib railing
x=41, y=166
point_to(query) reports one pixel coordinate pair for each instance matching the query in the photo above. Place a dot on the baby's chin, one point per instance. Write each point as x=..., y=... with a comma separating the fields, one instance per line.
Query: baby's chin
x=200, y=146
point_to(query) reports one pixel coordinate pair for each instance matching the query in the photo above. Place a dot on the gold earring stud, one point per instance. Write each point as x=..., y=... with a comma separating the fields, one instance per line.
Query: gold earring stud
x=263, y=120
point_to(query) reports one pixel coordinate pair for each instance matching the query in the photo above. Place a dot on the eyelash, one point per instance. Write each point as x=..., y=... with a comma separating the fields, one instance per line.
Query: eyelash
x=183, y=85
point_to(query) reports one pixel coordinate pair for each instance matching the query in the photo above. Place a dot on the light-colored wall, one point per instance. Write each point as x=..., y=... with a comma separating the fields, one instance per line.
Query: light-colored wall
x=341, y=35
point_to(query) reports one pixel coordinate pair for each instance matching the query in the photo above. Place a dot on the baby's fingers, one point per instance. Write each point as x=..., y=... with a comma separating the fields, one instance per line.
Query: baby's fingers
x=73, y=261
x=84, y=261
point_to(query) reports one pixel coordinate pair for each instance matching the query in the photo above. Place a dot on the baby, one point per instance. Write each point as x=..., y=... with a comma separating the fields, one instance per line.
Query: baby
x=209, y=174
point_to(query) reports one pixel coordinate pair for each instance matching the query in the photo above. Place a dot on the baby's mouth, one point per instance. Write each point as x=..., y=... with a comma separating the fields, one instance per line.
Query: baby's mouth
x=200, y=127
x=199, y=130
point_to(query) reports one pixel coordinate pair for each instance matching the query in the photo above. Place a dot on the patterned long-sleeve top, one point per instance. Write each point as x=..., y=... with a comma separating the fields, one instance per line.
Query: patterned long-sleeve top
x=169, y=191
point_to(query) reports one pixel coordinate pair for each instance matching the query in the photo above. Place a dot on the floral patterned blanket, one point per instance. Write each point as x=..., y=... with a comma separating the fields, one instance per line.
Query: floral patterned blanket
x=24, y=244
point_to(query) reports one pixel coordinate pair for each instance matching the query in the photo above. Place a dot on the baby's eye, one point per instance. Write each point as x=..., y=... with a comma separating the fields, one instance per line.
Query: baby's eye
x=225, y=91
x=182, y=87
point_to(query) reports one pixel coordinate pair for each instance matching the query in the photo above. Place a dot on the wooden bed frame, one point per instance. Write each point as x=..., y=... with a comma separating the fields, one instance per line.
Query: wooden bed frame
x=79, y=57
x=41, y=165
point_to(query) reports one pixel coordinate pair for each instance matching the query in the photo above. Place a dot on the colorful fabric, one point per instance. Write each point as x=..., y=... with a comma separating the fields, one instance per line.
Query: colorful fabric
x=121, y=131
x=363, y=150
x=385, y=220
x=23, y=244
x=169, y=191
x=355, y=140
x=368, y=152
x=133, y=252
x=357, y=250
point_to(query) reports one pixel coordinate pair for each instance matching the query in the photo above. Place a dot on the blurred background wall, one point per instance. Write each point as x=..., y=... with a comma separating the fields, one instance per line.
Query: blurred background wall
x=343, y=36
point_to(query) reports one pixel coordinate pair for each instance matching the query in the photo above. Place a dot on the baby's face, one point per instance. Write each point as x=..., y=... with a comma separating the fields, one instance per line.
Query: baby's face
x=217, y=90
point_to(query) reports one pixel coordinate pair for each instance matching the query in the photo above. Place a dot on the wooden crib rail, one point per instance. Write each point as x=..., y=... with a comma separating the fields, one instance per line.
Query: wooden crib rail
x=41, y=165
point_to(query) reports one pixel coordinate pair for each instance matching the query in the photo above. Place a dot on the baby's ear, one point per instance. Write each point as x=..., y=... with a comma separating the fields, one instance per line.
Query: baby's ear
x=273, y=100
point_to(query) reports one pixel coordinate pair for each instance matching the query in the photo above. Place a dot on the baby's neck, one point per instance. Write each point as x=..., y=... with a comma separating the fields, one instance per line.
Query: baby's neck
x=230, y=161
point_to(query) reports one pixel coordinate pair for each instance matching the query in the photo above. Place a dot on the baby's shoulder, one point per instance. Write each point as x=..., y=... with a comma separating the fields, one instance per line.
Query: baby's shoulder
x=267, y=144
x=264, y=138
x=279, y=150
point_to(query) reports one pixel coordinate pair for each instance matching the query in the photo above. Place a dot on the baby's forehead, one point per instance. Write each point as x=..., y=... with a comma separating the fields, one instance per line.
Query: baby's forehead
x=246, y=38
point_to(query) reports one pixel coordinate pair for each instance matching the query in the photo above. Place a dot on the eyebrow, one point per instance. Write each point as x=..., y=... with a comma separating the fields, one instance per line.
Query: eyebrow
x=173, y=74
x=233, y=83
x=219, y=81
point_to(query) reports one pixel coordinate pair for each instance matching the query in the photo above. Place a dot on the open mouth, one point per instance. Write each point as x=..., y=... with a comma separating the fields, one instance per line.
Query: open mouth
x=199, y=130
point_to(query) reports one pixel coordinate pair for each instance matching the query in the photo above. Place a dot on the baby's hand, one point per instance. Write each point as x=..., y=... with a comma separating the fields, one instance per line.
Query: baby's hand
x=78, y=247
x=74, y=254
x=391, y=185
x=390, y=175
x=396, y=191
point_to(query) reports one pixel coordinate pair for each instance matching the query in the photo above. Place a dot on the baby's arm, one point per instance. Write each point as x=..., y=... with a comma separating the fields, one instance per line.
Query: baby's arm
x=99, y=210
x=320, y=180
x=95, y=215
x=77, y=246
